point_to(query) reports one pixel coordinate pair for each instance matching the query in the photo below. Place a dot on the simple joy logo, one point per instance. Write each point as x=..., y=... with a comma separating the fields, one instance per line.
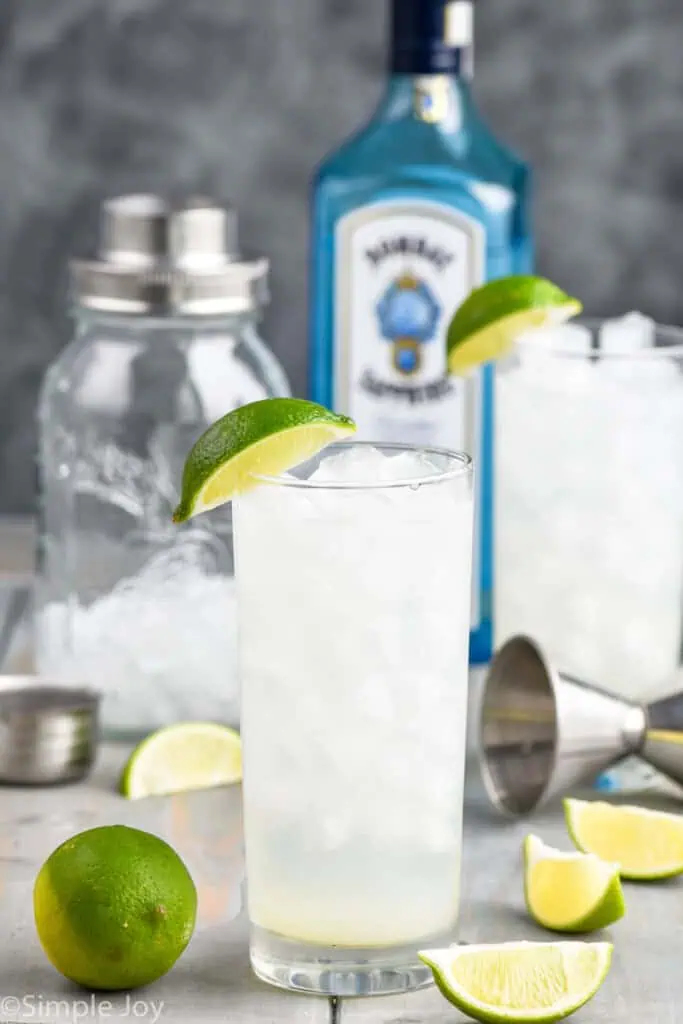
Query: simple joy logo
x=35, y=1006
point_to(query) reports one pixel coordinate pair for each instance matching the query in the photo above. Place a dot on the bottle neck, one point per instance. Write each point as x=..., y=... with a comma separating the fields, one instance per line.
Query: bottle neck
x=434, y=99
x=431, y=37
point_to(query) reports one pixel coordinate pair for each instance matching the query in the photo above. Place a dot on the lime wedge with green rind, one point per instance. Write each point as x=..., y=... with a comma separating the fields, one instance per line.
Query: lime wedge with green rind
x=520, y=982
x=487, y=324
x=263, y=438
x=190, y=755
x=646, y=844
x=570, y=892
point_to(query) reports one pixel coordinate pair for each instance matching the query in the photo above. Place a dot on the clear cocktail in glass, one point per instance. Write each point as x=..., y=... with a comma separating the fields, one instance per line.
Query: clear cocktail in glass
x=353, y=576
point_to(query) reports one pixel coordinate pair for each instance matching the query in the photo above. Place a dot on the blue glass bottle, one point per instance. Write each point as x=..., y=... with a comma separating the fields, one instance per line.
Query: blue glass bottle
x=419, y=207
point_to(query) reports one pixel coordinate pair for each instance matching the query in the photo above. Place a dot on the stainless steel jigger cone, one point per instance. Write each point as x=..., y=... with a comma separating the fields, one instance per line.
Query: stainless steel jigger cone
x=541, y=732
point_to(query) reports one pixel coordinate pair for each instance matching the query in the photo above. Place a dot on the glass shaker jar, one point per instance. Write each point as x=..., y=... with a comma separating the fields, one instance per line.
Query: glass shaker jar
x=166, y=342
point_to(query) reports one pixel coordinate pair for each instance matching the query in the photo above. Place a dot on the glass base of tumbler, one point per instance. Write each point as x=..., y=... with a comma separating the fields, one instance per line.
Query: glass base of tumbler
x=340, y=970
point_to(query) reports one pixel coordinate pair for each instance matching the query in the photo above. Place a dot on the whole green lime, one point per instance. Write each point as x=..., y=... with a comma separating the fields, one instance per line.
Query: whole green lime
x=114, y=907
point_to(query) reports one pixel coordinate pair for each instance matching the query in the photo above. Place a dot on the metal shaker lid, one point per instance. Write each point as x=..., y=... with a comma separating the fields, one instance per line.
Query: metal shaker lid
x=163, y=259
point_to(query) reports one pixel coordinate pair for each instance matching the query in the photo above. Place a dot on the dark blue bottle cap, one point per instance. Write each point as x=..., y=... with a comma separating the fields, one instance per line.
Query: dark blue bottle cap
x=423, y=41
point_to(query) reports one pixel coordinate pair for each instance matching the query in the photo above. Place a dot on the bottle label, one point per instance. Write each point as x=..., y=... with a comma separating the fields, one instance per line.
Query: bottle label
x=402, y=269
x=433, y=99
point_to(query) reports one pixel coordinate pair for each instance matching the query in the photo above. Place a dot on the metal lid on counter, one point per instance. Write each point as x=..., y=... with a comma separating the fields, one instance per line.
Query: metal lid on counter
x=49, y=731
x=160, y=259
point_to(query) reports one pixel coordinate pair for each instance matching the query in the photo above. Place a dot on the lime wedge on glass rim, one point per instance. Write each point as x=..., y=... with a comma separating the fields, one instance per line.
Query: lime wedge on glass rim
x=520, y=982
x=262, y=438
x=570, y=892
x=492, y=317
x=646, y=844
x=190, y=755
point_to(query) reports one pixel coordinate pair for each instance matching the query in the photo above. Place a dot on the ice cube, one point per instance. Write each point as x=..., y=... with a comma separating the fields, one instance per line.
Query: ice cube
x=368, y=465
x=639, y=370
x=561, y=338
x=349, y=465
x=556, y=374
x=578, y=376
x=409, y=466
x=555, y=358
x=630, y=333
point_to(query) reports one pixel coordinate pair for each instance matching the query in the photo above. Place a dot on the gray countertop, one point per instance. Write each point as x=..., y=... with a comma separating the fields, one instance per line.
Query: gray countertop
x=212, y=981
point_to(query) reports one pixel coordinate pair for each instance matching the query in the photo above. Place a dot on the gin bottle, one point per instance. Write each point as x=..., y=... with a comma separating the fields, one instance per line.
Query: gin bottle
x=419, y=207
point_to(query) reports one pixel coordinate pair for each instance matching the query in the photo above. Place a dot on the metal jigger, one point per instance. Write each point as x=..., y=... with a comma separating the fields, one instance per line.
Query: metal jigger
x=543, y=732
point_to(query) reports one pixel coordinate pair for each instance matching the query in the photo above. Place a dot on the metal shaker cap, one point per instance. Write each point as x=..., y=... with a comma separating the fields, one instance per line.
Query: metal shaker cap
x=162, y=259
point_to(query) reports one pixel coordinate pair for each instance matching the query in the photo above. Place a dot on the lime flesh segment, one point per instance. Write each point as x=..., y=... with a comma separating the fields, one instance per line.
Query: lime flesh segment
x=492, y=317
x=192, y=755
x=263, y=438
x=645, y=844
x=519, y=982
x=570, y=892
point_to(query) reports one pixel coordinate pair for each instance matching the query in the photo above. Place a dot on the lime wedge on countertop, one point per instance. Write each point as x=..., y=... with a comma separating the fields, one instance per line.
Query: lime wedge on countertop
x=520, y=982
x=570, y=892
x=487, y=324
x=645, y=844
x=190, y=755
x=264, y=438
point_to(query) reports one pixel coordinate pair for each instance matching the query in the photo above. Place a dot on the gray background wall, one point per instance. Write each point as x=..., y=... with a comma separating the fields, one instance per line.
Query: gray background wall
x=241, y=97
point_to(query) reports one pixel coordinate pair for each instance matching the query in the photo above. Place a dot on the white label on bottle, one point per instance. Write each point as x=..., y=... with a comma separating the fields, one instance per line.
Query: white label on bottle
x=402, y=269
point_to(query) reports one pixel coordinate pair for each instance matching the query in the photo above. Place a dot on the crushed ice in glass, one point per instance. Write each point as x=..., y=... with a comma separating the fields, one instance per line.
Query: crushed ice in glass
x=589, y=505
x=368, y=465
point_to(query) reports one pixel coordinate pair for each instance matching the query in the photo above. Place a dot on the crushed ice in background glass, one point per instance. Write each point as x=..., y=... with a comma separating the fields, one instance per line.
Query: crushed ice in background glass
x=589, y=507
x=537, y=354
x=569, y=337
x=633, y=332
x=628, y=347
